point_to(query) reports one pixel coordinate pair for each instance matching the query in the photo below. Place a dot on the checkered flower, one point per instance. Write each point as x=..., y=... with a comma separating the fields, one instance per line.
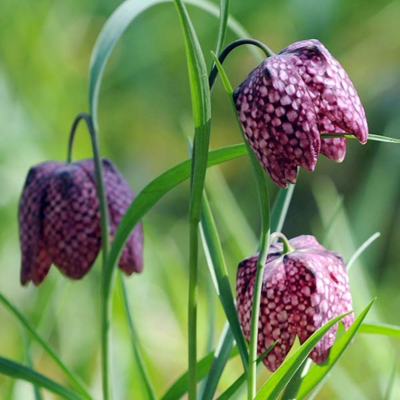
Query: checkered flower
x=301, y=291
x=288, y=102
x=59, y=220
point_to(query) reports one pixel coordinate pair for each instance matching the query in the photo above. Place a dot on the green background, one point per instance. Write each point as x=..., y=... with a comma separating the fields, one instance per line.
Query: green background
x=145, y=115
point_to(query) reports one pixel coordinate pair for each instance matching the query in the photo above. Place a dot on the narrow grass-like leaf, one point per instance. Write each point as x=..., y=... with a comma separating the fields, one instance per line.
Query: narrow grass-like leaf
x=361, y=249
x=74, y=380
x=278, y=380
x=380, y=329
x=145, y=380
x=240, y=382
x=221, y=357
x=216, y=262
x=180, y=387
x=392, y=380
x=318, y=372
x=223, y=23
x=293, y=386
x=18, y=371
x=280, y=208
x=371, y=137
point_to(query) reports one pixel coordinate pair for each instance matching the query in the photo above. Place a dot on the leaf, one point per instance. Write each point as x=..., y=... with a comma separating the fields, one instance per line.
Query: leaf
x=318, y=373
x=380, y=329
x=221, y=357
x=217, y=265
x=361, y=249
x=150, y=393
x=18, y=371
x=239, y=383
x=157, y=188
x=371, y=137
x=280, y=208
x=180, y=387
x=392, y=380
x=74, y=380
x=278, y=380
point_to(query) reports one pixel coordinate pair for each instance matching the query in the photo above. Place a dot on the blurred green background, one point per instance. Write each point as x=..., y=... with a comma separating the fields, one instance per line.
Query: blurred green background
x=145, y=113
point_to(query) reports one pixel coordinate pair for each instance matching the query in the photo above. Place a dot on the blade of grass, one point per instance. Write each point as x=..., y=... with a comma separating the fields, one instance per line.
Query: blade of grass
x=74, y=380
x=318, y=373
x=223, y=23
x=380, y=329
x=180, y=387
x=221, y=357
x=145, y=380
x=240, y=382
x=293, y=386
x=216, y=262
x=392, y=380
x=371, y=137
x=18, y=371
x=278, y=380
x=361, y=250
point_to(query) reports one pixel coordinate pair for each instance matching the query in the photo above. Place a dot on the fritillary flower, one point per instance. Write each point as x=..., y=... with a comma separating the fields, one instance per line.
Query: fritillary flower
x=289, y=101
x=59, y=220
x=301, y=291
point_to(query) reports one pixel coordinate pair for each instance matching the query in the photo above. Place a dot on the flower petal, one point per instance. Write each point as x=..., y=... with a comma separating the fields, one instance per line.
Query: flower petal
x=72, y=220
x=119, y=198
x=35, y=261
x=330, y=87
x=279, y=119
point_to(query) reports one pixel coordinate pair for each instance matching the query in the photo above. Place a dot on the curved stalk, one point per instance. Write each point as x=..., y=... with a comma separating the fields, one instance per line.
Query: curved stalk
x=104, y=222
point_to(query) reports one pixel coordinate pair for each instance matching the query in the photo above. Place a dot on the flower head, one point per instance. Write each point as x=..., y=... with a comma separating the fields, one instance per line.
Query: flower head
x=59, y=220
x=289, y=101
x=301, y=291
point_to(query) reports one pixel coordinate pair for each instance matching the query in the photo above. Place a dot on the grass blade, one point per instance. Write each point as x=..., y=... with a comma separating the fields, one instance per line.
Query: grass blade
x=361, y=249
x=380, y=329
x=150, y=393
x=278, y=380
x=371, y=137
x=18, y=371
x=318, y=373
x=221, y=357
x=180, y=387
x=74, y=380
x=216, y=262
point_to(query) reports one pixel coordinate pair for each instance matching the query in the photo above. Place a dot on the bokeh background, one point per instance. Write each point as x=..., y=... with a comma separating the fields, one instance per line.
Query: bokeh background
x=145, y=116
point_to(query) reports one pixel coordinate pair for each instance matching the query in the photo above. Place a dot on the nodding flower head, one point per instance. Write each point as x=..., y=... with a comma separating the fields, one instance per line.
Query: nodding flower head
x=301, y=291
x=288, y=102
x=59, y=220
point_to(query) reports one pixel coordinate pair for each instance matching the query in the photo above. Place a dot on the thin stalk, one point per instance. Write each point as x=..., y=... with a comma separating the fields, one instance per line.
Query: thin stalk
x=105, y=237
x=263, y=242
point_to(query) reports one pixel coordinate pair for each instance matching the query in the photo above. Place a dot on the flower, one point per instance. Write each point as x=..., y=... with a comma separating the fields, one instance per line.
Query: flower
x=289, y=101
x=59, y=220
x=301, y=291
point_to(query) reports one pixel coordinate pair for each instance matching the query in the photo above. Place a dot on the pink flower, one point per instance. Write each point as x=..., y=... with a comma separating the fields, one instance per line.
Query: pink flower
x=301, y=291
x=59, y=220
x=289, y=101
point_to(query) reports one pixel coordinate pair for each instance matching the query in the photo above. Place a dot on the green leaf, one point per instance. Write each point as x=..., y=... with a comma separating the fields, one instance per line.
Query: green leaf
x=149, y=390
x=280, y=208
x=18, y=371
x=74, y=380
x=239, y=383
x=361, y=249
x=278, y=380
x=180, y=387
x=319, y=372
x=217, y=265
x=371, y=137
x=380, y=329
x=221, y=357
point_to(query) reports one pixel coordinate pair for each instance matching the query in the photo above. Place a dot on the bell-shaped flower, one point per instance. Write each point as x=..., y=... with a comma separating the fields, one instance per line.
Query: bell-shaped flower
x=289, y=101
x=301, y=291
x=59, y=220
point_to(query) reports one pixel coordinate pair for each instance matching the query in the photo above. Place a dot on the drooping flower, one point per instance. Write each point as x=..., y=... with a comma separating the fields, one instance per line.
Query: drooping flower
x=59, y=220
x=301, y=291
x=289, y=101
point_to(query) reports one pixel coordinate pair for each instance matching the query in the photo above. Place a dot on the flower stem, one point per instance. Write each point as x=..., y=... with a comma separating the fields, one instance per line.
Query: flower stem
x=104, y=218
x=287, y=248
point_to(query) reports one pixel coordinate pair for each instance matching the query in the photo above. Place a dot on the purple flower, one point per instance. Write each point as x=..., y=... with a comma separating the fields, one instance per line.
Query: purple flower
x=289, y=101
x=301, y=291
x=59, y=220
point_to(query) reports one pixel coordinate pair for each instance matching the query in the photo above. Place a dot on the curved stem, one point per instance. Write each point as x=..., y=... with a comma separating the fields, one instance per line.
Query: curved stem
x=104, y=222
x=237, y=43
x=287, y=248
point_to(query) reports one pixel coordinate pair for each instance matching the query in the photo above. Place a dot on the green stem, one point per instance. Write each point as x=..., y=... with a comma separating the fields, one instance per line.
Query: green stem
x=287, y=248
x=104, y=218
